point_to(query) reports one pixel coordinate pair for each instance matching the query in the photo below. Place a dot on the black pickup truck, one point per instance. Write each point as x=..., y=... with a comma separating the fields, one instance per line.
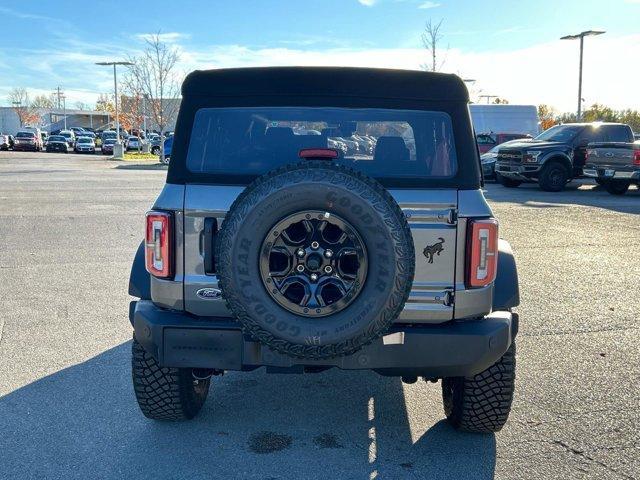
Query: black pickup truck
x=556, y=156
x=614, y=165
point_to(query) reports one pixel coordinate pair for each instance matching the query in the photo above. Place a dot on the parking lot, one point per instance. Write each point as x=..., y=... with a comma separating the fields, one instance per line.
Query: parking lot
x=70, y=226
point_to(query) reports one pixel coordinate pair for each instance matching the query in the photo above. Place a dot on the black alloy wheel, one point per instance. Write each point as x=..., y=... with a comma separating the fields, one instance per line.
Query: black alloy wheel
x=313, y=263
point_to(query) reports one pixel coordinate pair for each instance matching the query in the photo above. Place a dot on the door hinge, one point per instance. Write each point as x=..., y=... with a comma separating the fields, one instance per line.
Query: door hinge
x=449, y=298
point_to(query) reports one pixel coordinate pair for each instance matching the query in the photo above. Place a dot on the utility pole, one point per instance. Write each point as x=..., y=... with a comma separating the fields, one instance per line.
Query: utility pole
x=117, y=150
x=581, y=36
x=64, y=110
x=58, y=94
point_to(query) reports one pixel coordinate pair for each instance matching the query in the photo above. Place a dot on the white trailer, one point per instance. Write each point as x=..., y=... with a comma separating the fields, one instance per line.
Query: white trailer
x=505, y=119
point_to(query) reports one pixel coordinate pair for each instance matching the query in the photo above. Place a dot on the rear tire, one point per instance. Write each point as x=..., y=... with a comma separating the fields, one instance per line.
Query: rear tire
x=481, y=403
x=616, y=187
x=600, y=181
x=554, y=177
x=165, y=393
x=508, y=182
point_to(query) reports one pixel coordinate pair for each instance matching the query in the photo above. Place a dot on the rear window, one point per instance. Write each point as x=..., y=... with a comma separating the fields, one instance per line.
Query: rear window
x=379, y=142
x=618, y=133
x=25, y=135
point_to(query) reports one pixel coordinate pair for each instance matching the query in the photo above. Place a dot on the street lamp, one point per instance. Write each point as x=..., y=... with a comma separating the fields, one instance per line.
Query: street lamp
x=581, y=36
x=117, y=148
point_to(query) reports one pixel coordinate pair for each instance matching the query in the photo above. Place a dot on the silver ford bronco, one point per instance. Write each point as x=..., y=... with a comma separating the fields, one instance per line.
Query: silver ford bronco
x=324, y=217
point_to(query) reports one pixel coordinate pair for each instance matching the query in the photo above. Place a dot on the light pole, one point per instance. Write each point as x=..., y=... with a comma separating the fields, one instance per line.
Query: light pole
x=117, y=148
x=581, y=36
x=64, y=110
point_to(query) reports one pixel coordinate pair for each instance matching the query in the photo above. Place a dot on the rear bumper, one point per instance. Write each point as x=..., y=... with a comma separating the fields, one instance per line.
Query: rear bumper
x=176, y=339
x=612, y=173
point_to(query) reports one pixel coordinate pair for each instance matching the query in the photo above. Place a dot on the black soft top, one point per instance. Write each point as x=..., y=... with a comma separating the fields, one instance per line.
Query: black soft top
x=325, y=81
x=344, y=87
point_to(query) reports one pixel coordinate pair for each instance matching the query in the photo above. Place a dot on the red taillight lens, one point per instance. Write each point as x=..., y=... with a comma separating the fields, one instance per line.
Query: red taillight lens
x=636, y=156
x=482, y=252
x=159, y=245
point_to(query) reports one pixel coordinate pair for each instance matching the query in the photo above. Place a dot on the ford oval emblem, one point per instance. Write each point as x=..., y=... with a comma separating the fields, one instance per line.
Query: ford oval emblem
x=209, y=293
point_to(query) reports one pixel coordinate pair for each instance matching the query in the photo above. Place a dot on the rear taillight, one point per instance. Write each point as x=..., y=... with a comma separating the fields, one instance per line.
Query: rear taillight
x=159, y=245
x=636, y=156
x=482, y=252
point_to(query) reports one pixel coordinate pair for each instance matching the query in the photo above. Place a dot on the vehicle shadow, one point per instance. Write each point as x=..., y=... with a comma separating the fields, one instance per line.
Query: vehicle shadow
x=141, y=166
x=82, y=422
x=583, y=192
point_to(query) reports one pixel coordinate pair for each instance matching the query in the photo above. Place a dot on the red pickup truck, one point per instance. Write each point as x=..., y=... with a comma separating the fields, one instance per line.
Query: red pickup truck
x=486, y=141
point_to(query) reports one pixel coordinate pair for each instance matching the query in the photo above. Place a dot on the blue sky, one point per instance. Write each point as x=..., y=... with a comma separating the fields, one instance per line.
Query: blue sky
x=510, y=48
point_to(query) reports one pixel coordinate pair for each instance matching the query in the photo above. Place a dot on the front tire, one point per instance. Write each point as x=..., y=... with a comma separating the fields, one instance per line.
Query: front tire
x=481, y=403
x=165, y=393
x=508, y=182
x=616, y=187
x=554, y=177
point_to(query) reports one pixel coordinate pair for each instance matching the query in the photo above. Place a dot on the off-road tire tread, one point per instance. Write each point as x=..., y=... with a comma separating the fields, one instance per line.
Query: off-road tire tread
x=370, y=190
x=481, y=403
x=615, y=187
x=543, y=180
x=165, y=393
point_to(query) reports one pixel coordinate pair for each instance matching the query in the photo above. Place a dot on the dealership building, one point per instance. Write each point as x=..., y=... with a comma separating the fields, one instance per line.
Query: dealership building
x=52, y=119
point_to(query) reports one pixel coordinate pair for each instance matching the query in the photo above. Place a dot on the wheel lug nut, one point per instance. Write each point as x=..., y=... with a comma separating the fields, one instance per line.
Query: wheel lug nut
x=328, y=253
x=315, y=245
x=300, y=252
x=314, y=277
x=328, y=269
x=300, y=268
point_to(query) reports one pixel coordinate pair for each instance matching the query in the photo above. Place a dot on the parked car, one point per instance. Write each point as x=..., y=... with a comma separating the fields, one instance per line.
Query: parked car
x=108, y=134
x=134, y=143
x=4, y=142
x=391, y=265
x=78, y=131
x=57, y=143
x=168, y=145
x=614, y=165
x=85, y=145
x=26, y=140
x=107, y=146
x=488, y=161
x=154, y=143
x=70, y=136
x=555, y=156
x=487, y=141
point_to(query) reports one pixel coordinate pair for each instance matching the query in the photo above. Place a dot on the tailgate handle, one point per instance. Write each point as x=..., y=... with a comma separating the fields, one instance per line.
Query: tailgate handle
x=209, y=233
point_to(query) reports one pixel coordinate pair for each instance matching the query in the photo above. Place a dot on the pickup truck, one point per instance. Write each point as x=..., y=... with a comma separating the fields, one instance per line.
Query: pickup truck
x=614, y=165
x=556, y=156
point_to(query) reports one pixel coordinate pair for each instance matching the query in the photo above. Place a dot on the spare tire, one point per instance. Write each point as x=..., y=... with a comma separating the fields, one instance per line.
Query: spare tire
x=315, y=260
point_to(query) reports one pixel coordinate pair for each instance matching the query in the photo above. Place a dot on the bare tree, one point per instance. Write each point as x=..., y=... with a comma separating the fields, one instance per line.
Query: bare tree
x=431, y=36
x=82, y=106
x=42, y=101
x=21, y=103
x=153, y=78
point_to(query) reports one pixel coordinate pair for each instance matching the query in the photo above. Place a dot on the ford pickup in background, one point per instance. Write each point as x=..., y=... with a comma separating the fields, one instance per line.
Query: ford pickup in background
x=614, y=165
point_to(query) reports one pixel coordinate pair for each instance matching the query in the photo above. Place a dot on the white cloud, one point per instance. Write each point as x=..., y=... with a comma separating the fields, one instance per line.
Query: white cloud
x=543, y=73
x=168, y=37
x=367, y=3
x=426, y=5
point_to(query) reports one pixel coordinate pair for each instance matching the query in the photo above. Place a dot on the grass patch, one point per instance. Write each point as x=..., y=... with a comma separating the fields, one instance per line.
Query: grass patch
x=140, y=156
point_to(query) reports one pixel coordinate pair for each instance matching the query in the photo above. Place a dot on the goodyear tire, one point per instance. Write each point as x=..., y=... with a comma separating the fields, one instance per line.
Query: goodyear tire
x=481, y=403
x=165, y=393
x=340, y=311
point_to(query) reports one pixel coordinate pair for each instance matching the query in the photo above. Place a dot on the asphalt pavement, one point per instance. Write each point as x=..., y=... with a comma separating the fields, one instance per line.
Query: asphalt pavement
x=69, y=226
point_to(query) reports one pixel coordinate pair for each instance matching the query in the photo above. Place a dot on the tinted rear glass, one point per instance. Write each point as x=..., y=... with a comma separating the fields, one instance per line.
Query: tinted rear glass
x=25, y=135
x=618, y=133
x=379, y=142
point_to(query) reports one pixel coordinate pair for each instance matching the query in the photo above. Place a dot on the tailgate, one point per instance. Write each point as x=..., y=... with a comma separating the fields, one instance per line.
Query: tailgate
x=610, y=156
x=431, y=215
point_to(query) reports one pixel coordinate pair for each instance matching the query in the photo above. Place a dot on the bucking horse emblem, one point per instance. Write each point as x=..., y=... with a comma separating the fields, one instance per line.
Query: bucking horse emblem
x=435, y=249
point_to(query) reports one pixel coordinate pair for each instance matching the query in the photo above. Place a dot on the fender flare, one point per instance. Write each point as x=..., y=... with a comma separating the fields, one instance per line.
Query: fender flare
x=506, y=293
x=139, y=279
x=558, y=156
